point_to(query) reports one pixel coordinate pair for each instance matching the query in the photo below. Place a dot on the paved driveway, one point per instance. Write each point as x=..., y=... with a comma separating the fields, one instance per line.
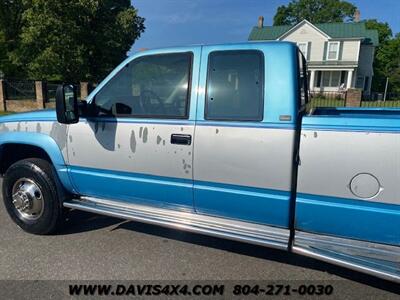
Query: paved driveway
x=96, y=247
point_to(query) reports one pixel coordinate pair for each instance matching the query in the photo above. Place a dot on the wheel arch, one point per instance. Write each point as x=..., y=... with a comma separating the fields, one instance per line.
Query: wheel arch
x=31, y=144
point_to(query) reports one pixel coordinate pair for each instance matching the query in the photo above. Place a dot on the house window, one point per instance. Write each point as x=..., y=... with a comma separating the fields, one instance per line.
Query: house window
x=303, y=48
x=333, y=51
x=331, y=78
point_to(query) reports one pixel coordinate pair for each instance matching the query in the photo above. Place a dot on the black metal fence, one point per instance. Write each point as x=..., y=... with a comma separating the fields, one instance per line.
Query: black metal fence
x=17, y=89
x=51, y=88
x=20, y=89
x=378, y=96
x=338, y=99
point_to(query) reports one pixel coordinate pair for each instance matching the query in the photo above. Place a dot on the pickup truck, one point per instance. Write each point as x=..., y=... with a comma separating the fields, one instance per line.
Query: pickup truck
x=214, y=140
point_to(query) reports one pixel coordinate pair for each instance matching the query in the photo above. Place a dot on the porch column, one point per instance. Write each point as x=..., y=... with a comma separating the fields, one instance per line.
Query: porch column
x=349, y=79
x=312, y=78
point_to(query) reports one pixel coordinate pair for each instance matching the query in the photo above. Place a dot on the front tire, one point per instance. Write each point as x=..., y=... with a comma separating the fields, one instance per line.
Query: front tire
x=32, y=196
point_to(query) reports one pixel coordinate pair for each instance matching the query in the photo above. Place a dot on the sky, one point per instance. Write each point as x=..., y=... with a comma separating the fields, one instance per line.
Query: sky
x=187, y=22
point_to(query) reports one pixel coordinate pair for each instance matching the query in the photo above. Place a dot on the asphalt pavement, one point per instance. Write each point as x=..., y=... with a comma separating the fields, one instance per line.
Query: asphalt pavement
x=92, y=247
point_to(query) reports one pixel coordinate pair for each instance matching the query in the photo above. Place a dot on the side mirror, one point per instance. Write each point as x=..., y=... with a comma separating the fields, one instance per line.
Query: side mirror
x=67, y=104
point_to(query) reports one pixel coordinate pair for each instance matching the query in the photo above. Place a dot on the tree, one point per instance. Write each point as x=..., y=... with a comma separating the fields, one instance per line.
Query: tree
x=387, y=65
x=383, y=53
x=10, y=29
x=315, y=11
x=384, y=31
x=74, y=40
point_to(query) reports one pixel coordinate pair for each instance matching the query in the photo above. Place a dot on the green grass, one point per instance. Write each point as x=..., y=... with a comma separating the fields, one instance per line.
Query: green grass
x=319, y=102
x=387, y=103
x=3, y=113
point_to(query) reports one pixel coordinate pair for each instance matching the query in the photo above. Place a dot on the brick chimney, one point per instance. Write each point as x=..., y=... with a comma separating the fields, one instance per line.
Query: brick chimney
x=357, y=16
x=260, y=23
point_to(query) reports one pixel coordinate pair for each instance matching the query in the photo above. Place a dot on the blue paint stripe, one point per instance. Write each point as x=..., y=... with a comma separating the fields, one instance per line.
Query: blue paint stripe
x=393, y=130
x=348, y=218
x=29, y=120
x=123, y=175
x=259, y=205
x=174, y=193
x=138, y=121
x=370, y=123
x=246, y=124
x=240, y=189
x=250, y=204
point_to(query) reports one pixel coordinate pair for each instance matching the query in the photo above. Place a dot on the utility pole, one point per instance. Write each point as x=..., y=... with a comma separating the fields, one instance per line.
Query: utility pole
x=386, y=85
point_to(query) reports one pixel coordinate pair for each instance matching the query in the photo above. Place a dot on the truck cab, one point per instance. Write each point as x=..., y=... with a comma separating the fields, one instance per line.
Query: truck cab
x=216, y=140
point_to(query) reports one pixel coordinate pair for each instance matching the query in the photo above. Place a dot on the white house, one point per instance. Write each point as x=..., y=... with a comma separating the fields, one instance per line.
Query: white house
x=339, y=55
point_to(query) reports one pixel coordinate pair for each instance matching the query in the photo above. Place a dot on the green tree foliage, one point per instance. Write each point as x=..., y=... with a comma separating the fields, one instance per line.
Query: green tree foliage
x=73, y=40
x=384, y=31
x=315, y=11
x=10, y=29
x=387, y=65
x=387, y=58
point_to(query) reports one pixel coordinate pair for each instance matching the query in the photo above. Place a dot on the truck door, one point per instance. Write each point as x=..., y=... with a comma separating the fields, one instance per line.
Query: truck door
x=139, y=145
x=244, y=134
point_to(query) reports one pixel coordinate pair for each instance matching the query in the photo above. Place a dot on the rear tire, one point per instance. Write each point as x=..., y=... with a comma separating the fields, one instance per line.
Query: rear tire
x=33, y=196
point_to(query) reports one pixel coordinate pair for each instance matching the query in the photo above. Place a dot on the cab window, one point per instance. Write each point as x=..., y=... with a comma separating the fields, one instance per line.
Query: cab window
x=235, y=86
x=154, y=86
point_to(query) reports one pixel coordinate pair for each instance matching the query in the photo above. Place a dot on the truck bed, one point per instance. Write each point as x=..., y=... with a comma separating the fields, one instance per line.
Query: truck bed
x=354, y=119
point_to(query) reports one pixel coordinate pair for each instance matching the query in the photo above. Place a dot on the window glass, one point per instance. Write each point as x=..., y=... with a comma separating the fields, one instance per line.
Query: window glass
x=335, y=78
x=235, y=86
x=333, y=49
x=150, y=86
x=303, y=48
x=331, y=78
x=326, y=78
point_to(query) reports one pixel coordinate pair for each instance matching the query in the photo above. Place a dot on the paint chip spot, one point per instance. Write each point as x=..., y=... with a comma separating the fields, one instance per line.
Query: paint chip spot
x=158, y=139
x=133, y=142
x=315, y=134
x=38, y=128
x=217, y=131
x=145, y=135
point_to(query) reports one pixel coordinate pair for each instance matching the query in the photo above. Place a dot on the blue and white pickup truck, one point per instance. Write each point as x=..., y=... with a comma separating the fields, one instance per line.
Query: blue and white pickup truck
x=214, y=140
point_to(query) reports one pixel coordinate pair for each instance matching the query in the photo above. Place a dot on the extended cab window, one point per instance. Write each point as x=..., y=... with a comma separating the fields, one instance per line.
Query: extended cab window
x=154, y=86
x=235, y=86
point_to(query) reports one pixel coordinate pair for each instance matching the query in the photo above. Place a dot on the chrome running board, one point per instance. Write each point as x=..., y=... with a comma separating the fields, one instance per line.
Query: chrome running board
x=219, y=227
x=375, y=259
x=379, y=260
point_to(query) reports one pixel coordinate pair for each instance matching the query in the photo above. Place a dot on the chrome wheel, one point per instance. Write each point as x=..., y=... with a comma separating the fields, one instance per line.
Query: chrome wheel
x=27, y=199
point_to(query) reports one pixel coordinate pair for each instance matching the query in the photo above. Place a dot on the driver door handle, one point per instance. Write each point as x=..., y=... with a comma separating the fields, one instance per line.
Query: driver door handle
x=181, y=139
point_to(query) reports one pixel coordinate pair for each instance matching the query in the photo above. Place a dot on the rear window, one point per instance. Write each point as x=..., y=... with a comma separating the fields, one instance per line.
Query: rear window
x=235, y=86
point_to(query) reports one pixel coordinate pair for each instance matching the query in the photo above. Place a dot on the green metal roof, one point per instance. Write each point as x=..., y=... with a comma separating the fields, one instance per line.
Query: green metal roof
x=334, y=30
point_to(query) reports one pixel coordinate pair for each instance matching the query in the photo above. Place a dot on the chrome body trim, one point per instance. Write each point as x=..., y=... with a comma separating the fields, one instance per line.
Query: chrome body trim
x=226, y=228
x=375, y=259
